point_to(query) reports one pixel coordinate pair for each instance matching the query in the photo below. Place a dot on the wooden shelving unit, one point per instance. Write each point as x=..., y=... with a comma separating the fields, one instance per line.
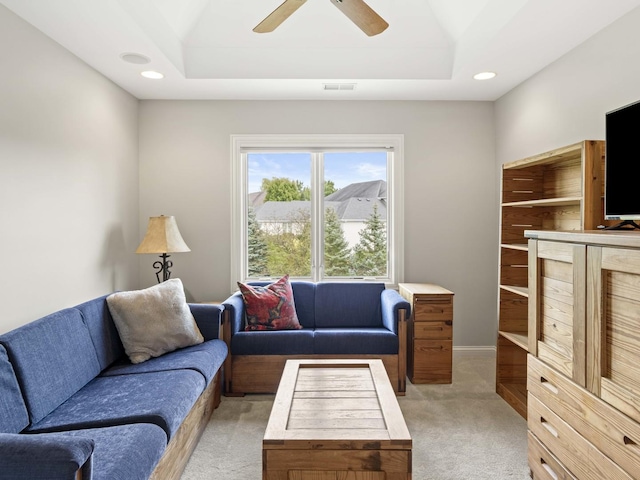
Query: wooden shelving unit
x=557, y=190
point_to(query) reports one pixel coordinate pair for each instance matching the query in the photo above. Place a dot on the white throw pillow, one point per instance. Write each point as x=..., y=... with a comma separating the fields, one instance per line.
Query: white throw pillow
x=154, y=321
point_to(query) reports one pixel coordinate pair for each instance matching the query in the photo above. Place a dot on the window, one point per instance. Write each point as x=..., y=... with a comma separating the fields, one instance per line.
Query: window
x=317, y=207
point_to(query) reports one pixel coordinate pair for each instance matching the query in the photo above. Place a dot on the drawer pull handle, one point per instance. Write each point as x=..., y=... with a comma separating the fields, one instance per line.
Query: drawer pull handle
x=437, y=329
x=548, y=385
x=549, y=470
x=548, y=426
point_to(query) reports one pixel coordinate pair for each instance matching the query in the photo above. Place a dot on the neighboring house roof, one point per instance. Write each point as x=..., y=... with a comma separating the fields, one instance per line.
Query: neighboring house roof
x=281, y=211
x=358, y=209
x=352, y=203
x=256, y=199
x=372, y=189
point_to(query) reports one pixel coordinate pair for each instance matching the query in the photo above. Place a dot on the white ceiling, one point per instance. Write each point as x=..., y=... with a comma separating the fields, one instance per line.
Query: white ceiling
x=207, y=50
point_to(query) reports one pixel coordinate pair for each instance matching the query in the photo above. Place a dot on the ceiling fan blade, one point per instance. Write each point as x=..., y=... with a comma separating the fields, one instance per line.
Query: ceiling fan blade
x=362, y=15
x=279, y=15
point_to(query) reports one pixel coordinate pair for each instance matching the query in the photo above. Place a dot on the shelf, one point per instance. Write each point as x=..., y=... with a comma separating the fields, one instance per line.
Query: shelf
x=519, y=338
x=547, y=202
x=522, y=291
x=559, y=154
x=515, y=246
x=515, y=394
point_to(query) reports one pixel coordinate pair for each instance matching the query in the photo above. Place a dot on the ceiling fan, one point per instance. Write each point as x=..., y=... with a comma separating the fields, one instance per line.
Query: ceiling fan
x=356, y=10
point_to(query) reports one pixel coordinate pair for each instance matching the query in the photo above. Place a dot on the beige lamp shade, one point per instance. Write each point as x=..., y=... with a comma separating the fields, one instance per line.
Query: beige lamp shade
x=162, y=236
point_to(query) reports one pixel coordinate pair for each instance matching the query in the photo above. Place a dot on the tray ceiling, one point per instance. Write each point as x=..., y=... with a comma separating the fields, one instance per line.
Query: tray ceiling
x=206, y=49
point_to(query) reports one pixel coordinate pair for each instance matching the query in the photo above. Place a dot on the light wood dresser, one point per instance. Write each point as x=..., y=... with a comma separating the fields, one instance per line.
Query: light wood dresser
x=583, y=375
x=430, y=332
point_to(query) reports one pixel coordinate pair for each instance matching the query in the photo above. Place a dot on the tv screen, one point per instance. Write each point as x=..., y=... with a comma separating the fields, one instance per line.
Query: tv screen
x=622, y=158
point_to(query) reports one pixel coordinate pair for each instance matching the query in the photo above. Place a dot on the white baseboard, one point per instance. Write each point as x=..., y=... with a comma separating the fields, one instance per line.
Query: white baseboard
x=475, y=350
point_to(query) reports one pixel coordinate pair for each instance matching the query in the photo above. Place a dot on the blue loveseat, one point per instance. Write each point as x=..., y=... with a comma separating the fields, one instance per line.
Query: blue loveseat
x=339, y=320
x=73, y=406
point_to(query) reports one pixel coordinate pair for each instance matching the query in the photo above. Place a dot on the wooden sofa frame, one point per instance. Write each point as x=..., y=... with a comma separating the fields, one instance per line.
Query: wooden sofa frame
x=179, y=450
x=261, y=373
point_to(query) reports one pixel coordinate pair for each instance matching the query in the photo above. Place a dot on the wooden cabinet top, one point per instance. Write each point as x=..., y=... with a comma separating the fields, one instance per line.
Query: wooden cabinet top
x=618, y=238
x=423, y=289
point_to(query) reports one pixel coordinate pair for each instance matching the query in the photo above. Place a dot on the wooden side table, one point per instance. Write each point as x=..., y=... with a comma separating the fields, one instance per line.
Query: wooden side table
x=430, y=332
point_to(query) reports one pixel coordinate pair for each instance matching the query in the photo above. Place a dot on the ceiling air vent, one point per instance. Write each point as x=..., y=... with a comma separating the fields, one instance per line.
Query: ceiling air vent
x=339, y=86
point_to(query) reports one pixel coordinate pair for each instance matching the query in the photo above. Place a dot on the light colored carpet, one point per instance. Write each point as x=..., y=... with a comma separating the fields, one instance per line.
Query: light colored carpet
x=462, y=431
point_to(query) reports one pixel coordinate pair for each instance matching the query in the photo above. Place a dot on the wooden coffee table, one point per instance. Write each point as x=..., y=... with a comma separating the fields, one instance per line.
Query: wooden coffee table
x=336, y=420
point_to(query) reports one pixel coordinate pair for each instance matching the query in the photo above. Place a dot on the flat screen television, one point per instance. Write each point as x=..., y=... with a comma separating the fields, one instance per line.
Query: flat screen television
x=622, y=158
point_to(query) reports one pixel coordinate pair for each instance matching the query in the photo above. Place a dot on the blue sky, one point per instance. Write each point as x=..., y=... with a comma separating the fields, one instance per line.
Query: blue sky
x=342, y=168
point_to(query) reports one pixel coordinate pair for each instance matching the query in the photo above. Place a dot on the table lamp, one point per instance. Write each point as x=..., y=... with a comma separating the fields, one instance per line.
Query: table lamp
x=162, y=237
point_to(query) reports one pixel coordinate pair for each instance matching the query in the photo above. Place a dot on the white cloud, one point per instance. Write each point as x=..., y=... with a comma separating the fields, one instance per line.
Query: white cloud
x=372, y=171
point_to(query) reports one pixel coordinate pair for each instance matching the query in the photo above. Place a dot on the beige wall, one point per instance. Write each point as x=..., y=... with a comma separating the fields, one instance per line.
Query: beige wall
x=69, y=184
x=567, y=101
x=68, y=178
x=450, y=196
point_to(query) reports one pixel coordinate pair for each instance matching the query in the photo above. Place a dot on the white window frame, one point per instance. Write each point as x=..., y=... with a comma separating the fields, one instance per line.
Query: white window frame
x=240, y=144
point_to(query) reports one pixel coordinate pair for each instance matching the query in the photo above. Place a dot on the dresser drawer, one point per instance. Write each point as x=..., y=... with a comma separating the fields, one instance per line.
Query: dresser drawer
x=436, y=307
x=577, y=454
x=433, y=330
x=543, y=464
x=611, y=431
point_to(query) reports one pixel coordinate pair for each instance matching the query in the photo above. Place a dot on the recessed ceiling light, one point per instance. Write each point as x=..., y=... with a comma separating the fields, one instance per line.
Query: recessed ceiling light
x=484, y=75
x=152, y=74
x=136, y=58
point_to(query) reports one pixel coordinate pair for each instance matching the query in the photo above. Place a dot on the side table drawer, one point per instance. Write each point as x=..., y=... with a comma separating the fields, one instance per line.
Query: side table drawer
x=430, y=309
x=433, y=330
x=432, y=361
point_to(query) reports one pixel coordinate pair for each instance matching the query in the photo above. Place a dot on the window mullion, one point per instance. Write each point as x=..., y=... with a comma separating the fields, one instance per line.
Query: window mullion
x=239, y=217
x=391, y=238
x=317, y=217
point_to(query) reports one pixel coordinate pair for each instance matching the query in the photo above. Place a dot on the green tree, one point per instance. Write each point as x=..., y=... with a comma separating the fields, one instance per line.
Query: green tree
x=256, y=247
x=337, y=254
x=282, y=189
x=370, y=254
x=329, y=187
x=289, y=247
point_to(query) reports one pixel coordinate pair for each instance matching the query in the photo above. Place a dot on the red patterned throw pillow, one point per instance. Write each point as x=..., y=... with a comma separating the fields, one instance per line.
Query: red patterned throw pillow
x=270, y=307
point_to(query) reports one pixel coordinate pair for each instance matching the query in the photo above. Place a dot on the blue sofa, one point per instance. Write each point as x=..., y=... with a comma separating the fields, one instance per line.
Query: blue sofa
x=73, y=406
x=339, y=320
